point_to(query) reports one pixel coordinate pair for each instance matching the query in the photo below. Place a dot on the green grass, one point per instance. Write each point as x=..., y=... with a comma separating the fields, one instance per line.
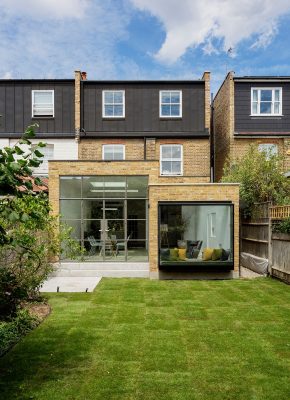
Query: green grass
x=166, y=340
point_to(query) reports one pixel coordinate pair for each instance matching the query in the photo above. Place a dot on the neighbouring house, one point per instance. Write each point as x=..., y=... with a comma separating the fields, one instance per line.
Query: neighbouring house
x=139, y=197
x=47, y=102
x=251, y=110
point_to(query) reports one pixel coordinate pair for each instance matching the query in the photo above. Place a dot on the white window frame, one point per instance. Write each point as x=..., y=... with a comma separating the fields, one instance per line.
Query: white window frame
x=113, y=144
x=171, y=159
x=261, y=148
x=103, y=104
x=32, y=104
x=160, y=104
x=272, y=102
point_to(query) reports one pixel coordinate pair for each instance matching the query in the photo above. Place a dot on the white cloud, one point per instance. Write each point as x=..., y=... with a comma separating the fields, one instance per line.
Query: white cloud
x=43, y=9
x=54, y=48
x=190, y=23
x=7, y=75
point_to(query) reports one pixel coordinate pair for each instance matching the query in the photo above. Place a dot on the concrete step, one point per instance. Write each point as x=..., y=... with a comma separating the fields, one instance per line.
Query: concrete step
x=100, y=266
x=114, y=270
x=108, y=273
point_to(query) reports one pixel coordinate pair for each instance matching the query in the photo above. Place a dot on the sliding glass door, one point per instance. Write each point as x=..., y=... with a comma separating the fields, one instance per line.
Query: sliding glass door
x=108, y=215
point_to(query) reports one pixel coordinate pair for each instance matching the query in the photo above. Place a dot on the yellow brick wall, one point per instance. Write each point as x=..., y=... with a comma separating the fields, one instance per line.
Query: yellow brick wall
x=226, y=145
x=223, y=124
x=207, y=116
x=150, y=149
x=196, y=155
x=68, y=168
x=91, y=149
x=160, y=189
x=240, y=146
x=196, y=152
x=192, y=192
x=287, y=154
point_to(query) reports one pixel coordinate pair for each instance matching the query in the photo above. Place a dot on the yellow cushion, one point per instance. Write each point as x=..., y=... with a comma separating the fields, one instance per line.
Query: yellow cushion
x=182, y=254
x=173, y=254
x=207, y=254
x=216, y=254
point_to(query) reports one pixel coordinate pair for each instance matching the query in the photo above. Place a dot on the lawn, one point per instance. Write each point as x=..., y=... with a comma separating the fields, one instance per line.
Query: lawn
x=141, y=339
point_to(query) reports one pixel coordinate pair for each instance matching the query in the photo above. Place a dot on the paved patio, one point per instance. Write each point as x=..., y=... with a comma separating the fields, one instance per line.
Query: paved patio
x=70, y=284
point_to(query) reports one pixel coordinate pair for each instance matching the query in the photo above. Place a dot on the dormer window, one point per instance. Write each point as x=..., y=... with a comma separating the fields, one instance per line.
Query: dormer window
x=170, y=104
x=113, y=104
x=42, y=103
x=266, y=101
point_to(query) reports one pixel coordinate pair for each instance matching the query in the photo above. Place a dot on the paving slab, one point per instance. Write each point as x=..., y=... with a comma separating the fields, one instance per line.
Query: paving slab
x=70, y=284
x=249, y=274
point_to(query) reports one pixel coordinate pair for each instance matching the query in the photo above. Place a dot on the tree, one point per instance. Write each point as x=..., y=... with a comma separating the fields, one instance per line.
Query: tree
x=261, y=178
x=29, y=238
x=16, y=168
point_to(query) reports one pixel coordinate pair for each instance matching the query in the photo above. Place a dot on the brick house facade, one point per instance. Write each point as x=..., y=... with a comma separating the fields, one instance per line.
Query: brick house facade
x=236, y=125
x=140, y=192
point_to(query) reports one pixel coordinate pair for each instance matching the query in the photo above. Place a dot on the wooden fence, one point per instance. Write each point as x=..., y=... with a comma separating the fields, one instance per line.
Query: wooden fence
x=255, y=232
x=258, y=239
x=279, y=212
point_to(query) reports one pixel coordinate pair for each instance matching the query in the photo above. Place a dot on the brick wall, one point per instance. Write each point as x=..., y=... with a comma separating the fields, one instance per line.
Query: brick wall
x=206, y=78
x=91, y=149
x=196, y=152
x=225, y=144
x=240, y=146
x=287, y=154
x=223, y=124
x=150, y=144
x=77, y=102
x=68, y=168
x=160, y=189
x=196, y=155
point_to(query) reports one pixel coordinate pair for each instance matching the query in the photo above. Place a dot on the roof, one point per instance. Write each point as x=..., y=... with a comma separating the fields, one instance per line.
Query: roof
x=157, y=81
x=36, y=80
x=261, y=78
x=35, y=188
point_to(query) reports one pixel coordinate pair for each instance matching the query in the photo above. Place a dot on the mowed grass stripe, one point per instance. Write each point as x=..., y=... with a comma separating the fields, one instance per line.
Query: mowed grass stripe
x=142, y=339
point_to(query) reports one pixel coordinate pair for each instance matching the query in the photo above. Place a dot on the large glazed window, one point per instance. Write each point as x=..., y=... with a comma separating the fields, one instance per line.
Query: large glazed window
x=42, y=103
x=113, y=104
x=108, y=215
x=195, y=233
x=266, y=101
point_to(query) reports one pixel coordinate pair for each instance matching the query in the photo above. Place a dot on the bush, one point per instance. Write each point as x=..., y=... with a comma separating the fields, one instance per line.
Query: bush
x=283, y=226
x=261, y=179
x=30, y=241
x=11, y=293
x=12, y=331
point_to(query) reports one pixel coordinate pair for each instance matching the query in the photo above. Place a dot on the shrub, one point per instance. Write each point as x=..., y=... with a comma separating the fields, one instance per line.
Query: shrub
x=30, y=241
x=283, y=226
x=11, y=331
x=261, y=179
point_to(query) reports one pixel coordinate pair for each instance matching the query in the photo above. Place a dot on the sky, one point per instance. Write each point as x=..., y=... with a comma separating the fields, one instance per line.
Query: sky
x=144, y=39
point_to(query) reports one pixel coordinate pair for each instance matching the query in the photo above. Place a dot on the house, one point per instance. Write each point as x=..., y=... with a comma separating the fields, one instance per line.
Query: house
x=139, y=197
x=50, y=104
x=251, y=110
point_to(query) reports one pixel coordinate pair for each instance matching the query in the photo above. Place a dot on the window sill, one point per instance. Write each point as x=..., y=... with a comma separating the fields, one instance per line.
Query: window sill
x=266, y=115
x=36, y=118
x=113, y=118
x=170, y=175
x=168, y=118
